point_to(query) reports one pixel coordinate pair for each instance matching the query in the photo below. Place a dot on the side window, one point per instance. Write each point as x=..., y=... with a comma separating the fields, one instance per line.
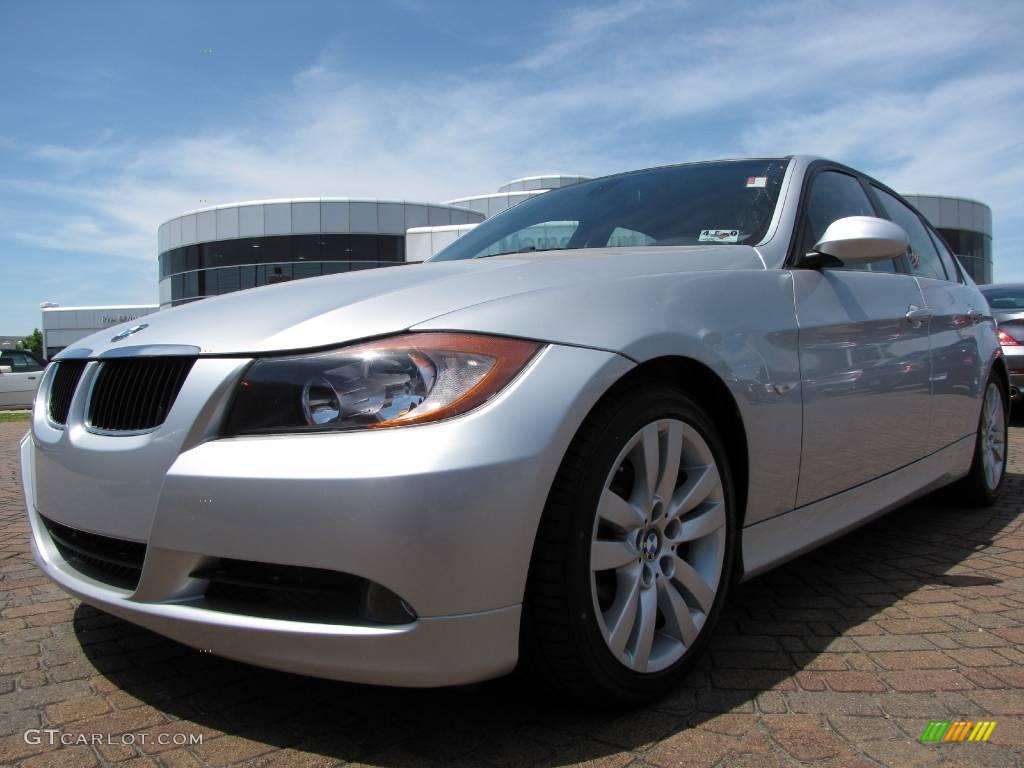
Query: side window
x=22, y=363
x=835, y=195
x=923, y=258
x=948, y=259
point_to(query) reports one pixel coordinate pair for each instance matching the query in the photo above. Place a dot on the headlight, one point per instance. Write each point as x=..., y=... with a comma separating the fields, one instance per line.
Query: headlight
x=410, y=379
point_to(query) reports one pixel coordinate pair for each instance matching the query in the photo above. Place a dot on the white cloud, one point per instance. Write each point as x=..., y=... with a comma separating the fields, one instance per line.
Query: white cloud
x=926, y=95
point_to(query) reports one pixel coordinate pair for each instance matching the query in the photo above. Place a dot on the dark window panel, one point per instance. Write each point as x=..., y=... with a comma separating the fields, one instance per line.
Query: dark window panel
x=391, y=248
x=364, y=247
x=337, y=247
x=212, y=282
x=276, y=250
x=228, y=280
x=191, y=285
x=207, y=255
x=192, y=257
x=224, y=253
x=304, y=247
x=278, y=273
x=177, y=260
x=302, y=269
x=247, y=277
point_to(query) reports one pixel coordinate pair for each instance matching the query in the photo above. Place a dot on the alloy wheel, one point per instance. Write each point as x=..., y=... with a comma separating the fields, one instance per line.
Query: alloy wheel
x=993, y=436
x=658, y=545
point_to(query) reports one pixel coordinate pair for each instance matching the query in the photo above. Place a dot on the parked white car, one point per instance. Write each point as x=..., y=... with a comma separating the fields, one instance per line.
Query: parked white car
x=19, y=377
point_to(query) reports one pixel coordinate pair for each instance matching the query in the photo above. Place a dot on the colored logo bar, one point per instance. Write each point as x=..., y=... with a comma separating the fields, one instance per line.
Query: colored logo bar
x=958, y=730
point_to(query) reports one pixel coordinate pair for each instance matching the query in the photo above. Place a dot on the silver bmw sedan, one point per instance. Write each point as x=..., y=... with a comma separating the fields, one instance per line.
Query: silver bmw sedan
x=555, y=444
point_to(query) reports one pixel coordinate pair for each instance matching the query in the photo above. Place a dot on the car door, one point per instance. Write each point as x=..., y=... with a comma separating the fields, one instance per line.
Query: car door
x=863, y=350
x=8, y=382
x=17, y=387
x=957, y=309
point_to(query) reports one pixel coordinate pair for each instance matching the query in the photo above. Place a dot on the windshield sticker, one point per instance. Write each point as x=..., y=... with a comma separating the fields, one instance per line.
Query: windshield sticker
x=719, y=236
x=758, y=182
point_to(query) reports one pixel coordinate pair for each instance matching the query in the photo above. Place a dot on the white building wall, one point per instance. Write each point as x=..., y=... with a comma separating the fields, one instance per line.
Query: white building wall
x=423, y=242
x=63, y=326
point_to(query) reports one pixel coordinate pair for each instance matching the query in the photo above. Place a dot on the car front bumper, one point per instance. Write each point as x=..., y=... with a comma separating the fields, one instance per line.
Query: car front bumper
x=443, y=515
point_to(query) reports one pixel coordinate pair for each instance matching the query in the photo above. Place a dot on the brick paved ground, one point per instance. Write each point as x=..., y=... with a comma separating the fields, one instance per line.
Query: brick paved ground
x=838, y=659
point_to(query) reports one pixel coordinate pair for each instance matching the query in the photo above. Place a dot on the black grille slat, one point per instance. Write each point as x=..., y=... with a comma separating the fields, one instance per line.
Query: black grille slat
x=152, y=397
x=131, y=395
x=164, y=385
x=145, y=396
x=141, y=386
x=112, y=561
x=65, y=381
x=136, y=393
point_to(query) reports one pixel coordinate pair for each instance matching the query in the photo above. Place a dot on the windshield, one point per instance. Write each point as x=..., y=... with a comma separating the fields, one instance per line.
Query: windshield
x=700, y=204
x=1005, y=297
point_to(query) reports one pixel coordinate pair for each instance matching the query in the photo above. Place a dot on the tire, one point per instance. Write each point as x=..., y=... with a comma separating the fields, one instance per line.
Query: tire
x=983, y=484
x=576, y=609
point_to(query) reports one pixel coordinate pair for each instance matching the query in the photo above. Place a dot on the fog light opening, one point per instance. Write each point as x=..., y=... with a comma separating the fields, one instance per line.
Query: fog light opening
x=382, y=606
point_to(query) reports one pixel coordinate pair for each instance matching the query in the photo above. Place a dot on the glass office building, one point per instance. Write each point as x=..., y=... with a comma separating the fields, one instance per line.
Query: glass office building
x=230, y=247
x=966, y=226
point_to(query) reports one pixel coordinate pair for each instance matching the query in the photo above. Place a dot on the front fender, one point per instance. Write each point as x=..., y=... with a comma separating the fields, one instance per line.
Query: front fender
x=739, y=323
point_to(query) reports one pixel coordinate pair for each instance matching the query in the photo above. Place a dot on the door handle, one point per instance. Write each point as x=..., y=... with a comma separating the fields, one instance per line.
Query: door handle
x=917, y=315
x=31, y=378
x=975, y=315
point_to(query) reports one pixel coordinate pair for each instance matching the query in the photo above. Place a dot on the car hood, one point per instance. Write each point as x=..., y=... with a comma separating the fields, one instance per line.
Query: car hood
x=325, y=311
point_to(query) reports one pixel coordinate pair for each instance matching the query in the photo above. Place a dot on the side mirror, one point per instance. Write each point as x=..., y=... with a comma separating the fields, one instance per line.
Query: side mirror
x=5, y=369
x=856, y=240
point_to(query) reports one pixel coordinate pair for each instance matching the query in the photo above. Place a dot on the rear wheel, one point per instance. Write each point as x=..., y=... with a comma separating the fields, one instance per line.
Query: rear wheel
x=982, y=485
x=635, y=549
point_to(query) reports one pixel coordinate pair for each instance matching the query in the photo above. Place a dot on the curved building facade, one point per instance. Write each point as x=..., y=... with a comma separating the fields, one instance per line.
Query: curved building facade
x=226, y=248
x=515, y=191
x=966, y=225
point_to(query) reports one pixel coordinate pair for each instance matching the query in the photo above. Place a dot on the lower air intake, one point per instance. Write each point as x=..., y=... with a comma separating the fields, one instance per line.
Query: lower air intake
x=295, y=593
x=108, y=560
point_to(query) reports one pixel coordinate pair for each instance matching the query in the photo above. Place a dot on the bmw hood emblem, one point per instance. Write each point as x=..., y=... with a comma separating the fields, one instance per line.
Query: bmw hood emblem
x=129, y=331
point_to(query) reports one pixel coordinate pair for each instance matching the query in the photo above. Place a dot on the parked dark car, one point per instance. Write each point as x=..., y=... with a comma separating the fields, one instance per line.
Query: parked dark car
x=1007, y=303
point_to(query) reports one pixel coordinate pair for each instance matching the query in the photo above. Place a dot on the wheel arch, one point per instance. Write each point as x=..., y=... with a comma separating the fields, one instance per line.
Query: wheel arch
x=705, y=386
x=999, y=366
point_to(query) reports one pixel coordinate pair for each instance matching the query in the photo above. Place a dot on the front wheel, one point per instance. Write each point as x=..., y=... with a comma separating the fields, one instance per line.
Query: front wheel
x=982, y=485
x=635, y=549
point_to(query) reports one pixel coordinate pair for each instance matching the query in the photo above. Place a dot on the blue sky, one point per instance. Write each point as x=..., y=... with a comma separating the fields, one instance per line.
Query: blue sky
x=113, y=119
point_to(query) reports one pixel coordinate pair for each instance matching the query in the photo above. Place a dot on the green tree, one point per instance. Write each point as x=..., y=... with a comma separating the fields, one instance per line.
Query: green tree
x=33, y=342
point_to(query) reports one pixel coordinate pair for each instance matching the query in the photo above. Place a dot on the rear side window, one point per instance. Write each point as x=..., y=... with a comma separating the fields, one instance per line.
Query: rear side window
x=923, y=258
x=947, y=258
x=835, y=195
